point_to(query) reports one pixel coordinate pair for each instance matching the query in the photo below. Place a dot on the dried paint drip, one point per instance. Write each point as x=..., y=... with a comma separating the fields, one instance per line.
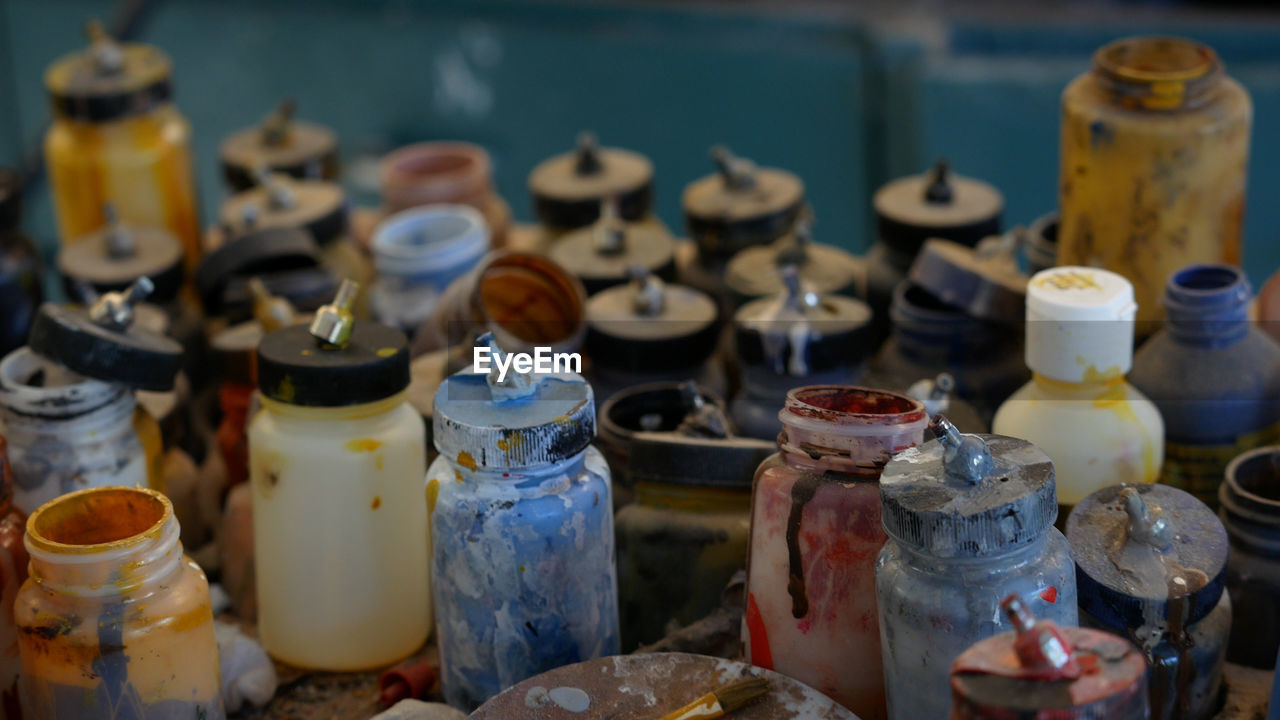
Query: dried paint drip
x=801, y=493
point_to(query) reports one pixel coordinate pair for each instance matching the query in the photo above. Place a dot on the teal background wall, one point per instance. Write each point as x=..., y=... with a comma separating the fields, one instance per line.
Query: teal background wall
x=837, y=94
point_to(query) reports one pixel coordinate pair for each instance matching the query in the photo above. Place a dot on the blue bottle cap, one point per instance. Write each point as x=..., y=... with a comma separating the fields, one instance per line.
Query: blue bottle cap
x=1137, y=547
x=521, y=422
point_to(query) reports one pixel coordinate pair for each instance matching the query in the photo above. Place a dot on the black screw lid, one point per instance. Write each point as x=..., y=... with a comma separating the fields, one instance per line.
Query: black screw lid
x=838, y=334
x=132, y=356
x=680, y=332
x=674, y=459
x=740, y=205
x=153, y=253
x=257, y=252
x=600, y=264
x=568, y=189
x=984, y=283
x=296, y=368
x=936, y=204
x=109, y=80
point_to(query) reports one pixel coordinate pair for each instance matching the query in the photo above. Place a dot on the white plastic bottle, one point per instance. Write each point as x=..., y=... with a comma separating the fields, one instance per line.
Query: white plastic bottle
x=337, y=463
x=1096, y=427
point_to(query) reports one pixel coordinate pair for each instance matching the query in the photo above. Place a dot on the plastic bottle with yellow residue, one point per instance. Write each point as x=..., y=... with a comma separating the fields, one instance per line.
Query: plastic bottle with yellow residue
x=114, y=621
x=1096, y=427
x=1155, y=143
x=118, y=138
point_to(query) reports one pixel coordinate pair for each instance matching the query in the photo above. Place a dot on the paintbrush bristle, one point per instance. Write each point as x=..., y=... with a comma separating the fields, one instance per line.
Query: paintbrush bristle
x=734, y=696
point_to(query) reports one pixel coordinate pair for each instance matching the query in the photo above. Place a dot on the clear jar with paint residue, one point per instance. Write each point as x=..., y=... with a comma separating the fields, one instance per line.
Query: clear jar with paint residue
x=115, y=621
x=815, y=534
x=970, y=522
x=336, y=463
x=522, y=568
x=1097, y=428
x=1151, y=563
x=1155, y=144
x=13, y=572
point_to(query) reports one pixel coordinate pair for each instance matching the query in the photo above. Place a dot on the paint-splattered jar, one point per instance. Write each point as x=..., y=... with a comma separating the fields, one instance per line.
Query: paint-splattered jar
x=1214, y=376
x=1041, y=670
x=815, y=534
x=1250, y=510
x=1098, y=429
x=21, y=274
x=13, y=572
x=1155, y=142
x=522, y=530
x=417, y=253
x=281, y=144
x=1151, y=561
x=117, y=138
x=68, y=403
x=336, y=462
x=929, y=337
x=650, y=331
x=686, y=534
x=793, y=339
x=115, y=621
x=970, y=522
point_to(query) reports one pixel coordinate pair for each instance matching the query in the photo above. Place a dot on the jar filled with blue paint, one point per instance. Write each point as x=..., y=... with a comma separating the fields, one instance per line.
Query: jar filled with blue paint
x=522, y=530
x=1213, y=374
x=970, y=522
x=1151, y=562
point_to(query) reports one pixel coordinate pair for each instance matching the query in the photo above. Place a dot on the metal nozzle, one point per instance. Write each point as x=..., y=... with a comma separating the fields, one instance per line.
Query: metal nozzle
x=943, y=385
x=702, y=419
x=1145, y=524
x=120, y=242
x=505, y=382
x=270, y=311
x=796, y=251
x=938, y=191
x=588, y=155
x=114, y=310
x=1049, y=648
x=965, y=457
x=108, y=57
x=277, y=124
x=610, y=232
x=798, y=298
x=738, y=173
x=280, y=194
x=333, y=323
x=649, y=297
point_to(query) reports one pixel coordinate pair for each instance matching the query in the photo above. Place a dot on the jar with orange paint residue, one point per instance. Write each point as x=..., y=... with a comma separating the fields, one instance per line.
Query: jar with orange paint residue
x=1155, y=144
x=114, y=622
x=118, y=139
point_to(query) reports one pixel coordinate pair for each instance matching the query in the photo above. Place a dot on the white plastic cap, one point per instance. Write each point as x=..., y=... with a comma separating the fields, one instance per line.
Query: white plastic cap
x=1080, y=324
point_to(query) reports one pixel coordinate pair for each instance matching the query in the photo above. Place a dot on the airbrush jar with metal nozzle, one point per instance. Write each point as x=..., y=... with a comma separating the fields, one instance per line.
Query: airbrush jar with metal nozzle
x=281, y=144
x=1044, y=670
x=602, y=254
x=970, y=521
x=650, y=331
x=68, y=403
x=815, y=534
x=1151, y=563
x=756, y=271
x=522, y=530
x=117, y=138
x=336, y=463
x=793, y=339
x=569, y=189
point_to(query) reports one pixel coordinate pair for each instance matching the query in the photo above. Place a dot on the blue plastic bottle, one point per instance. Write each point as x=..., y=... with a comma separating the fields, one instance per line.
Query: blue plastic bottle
x=1214, y=376
x=523, y=575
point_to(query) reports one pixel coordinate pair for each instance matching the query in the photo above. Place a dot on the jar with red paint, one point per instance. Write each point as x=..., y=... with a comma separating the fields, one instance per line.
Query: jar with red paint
x=815, y=534
x=970, y=522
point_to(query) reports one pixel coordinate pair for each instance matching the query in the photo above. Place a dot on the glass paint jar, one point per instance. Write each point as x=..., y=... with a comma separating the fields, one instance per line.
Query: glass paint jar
x=521, y=514
x=1214, y=376
x=13, y=572
x=1078, y=407
x=1155, y=143
x=1250, y=510
x=281, y=144
x=1151, y=561
x=1042, y=670
x=686, y=534
x=117, y=138
x=794, y=339
x=417, y=253
x=570, y=189
x=970, y=522
x=115, y=621
x=336, y=463
x=929, y=337
x=21, y=274
x=815, y=534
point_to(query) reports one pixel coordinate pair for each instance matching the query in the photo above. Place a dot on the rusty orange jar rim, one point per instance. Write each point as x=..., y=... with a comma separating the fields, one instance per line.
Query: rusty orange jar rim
x=1158, y=72
x=129, y=517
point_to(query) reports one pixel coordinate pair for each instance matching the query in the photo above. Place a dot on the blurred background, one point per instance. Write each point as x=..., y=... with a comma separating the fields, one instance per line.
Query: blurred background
x=847, y=95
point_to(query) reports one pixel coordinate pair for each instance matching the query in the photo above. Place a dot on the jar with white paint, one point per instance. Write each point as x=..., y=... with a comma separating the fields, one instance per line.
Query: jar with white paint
x=336, y=463
x=68, y=404
x=522, y=531
x=970, y=522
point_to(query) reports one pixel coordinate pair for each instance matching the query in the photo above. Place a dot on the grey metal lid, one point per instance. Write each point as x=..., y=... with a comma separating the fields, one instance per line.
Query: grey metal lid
x=519, y=422
x=936, y=204
x=968, y=495
x=1141, y=548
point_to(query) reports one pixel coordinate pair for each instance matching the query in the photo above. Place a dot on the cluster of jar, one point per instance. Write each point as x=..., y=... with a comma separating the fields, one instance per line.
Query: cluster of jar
x=865, y=547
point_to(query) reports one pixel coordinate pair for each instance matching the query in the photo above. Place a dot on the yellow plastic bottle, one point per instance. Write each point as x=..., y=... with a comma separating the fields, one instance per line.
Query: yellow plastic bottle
x=114, y=621
x=1155, y=143
x=1096, y=427
x=117, y=138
